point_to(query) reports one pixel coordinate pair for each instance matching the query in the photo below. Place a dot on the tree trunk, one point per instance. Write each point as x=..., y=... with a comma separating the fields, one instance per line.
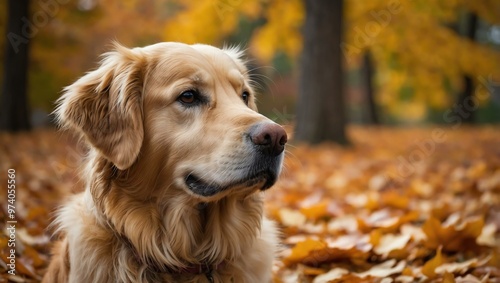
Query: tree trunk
x=368, y=73
x=465, y=99
x=14, y=107
x=321, y=108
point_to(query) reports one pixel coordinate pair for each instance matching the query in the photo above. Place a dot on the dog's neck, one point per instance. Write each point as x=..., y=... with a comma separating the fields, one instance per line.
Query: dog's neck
x=203, y=213
x=175, y=230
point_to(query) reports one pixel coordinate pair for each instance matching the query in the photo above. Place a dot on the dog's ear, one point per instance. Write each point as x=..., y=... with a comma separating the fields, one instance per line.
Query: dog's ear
x=236, y=53
x=105, y=106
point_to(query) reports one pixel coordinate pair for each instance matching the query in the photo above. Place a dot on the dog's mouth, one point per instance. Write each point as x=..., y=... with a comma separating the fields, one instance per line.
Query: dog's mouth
x=262, y=180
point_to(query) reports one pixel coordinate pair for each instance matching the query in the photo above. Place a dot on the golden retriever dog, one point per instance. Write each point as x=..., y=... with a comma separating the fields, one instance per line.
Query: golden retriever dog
x=178, y=158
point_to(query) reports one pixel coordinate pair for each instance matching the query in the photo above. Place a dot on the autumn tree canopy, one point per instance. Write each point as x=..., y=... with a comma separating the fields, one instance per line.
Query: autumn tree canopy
x=420, y=59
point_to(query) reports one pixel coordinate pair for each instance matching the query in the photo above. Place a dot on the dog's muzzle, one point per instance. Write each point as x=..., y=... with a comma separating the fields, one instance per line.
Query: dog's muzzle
x=268, y=141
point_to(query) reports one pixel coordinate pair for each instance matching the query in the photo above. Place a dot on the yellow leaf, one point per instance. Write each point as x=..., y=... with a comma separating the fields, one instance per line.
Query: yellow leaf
x=429, y=268
x=452, y=237
x=316, y=211
x=302, y=250
x=448, y=278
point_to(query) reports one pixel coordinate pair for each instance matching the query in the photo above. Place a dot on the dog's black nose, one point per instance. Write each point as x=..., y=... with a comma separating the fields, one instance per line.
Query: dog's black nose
x=270, y=138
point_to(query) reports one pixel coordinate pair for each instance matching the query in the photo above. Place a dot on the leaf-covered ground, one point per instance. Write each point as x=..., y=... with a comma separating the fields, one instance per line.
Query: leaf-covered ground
x=399, y=205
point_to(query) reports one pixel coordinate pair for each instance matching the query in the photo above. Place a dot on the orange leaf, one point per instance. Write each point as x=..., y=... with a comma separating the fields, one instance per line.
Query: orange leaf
x=316, y=211
x=24, y=267
x=302, y=250
x=448, y=278
x=452, y=237
x=430, y=266
x=375, y=237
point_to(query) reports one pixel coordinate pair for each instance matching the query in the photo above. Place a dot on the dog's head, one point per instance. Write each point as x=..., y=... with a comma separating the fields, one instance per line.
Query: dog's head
x=187, y=110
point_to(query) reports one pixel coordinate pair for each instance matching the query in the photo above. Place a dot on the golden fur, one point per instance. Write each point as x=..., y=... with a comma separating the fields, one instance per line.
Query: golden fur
x=136, y=220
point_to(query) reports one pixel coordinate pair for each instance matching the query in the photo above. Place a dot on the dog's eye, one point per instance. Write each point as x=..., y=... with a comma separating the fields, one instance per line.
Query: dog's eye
x=245, y=96
x=189, y=97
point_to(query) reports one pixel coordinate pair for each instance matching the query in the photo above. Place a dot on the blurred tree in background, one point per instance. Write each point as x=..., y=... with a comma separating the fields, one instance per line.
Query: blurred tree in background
x=404, y=61
x=321, y=112
x=14, y=107
x=67, y=36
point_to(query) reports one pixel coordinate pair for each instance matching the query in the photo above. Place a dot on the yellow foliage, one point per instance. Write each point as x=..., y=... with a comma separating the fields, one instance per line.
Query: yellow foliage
x=215, y=20
x=282, y=30
x=209, y=21
x=487, y=9
x=412, y=46
x=409, y=38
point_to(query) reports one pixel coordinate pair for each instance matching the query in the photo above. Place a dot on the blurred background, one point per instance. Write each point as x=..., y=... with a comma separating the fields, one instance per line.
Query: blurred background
x=412, y=86
x=320, y=64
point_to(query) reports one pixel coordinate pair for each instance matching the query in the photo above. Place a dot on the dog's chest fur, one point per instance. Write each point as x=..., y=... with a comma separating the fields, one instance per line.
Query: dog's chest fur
x=205, y=235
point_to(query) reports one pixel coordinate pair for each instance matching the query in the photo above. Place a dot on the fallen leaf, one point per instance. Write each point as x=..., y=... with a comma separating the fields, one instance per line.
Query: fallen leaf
x=378, y=182
x=347, y=223
x=26, y=268
x=303, y=249
x=390, y=242
x=448, y=278
x=461, y=267
x=452, y=237
x=291, y=217
x=469, y=278
x=384, y=269
x=315, y=211
x=416, y=233
x=358, y=241
x=308, y=271
x=429, y=268
x=405, y=279
x=487, y=236
x=333, y=274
